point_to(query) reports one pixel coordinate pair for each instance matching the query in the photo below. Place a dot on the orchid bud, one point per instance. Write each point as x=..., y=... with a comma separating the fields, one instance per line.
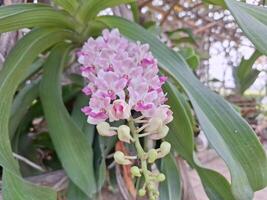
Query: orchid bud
x=161, y=177
x=154, y=125
x=119, y=157
x=103, y=129
x=135, y=171
x=124, y=134
x=152, y=155
x=119, y=110
x=165, y=148
x=142, y=192
x=164, y=113
x=163, y=132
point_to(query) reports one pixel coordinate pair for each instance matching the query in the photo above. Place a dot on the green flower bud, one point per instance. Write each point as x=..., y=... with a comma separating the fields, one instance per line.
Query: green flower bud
x=142, y=192
x=165, y=148
x=103, y=129
x=119, y=157
x=124, y=134
x=161, y=177
x=152, y=155
x=150, y=187
x=135, y=171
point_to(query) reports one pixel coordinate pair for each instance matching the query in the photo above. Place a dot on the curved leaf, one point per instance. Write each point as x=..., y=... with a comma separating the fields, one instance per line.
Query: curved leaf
x=227, y=132
x=74, y=152
x=18, y=16
x=92, y=7
x=170, y=188
x=244, y=74
x=21, y=104
x=181, y=137
x=22, y=55
x=70, y=5
x=252, y=20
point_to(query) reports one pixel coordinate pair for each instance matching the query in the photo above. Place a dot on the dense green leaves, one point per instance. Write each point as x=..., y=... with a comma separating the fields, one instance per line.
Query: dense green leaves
x=170, y=188
x=244, y=74
x=252, y=20
x=226, y=131
x=11, y=75
x=18, y=16
x=75, y=152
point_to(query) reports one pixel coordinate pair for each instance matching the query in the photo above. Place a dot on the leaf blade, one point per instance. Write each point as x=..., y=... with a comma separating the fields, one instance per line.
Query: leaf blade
x=252, y=20
x=75, y=151
x=18, y=16
x=171, y=188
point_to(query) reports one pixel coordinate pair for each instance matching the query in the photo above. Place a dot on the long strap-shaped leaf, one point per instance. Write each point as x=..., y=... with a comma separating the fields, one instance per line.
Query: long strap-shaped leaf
x=170, y=188
x=18, y=16
x=229, y=134
x=24, y=53
x=181, y=138
x=71, y=144
x=252, y=20
x=21, y=104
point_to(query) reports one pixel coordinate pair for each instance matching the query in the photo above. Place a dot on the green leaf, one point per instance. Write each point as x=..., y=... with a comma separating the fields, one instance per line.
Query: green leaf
x=101, y=146
x=216, y=2
x=80, y=119
x=35, y=67
x=70, y=5
x=21, y=104
x=17, y=189
x=14, y=69
x=227, y=132
x=244, y=75
x=177, y=38
x=191, y=57
x=135, y=11
x=181, y=137
x=170, y=188
x=91, y=8
x=72, y=147
x=75, y=193
x=252, y=20
x=19, y=16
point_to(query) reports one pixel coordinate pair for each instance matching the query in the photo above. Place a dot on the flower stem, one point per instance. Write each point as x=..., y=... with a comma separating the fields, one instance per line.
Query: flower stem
x=143, y=157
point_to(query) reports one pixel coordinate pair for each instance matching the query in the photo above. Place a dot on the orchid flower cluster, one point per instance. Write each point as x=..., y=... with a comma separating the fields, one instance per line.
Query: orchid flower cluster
x=123, y=84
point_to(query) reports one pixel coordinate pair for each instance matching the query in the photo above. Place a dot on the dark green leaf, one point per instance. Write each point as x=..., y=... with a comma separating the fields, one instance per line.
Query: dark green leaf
x=74, y=151
x=135, y=11
x=252, y=20
x=181, y=138
x=14, y=17
x=170, y=188
x=21, y=104
x=244, y=75
x=191, y=57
